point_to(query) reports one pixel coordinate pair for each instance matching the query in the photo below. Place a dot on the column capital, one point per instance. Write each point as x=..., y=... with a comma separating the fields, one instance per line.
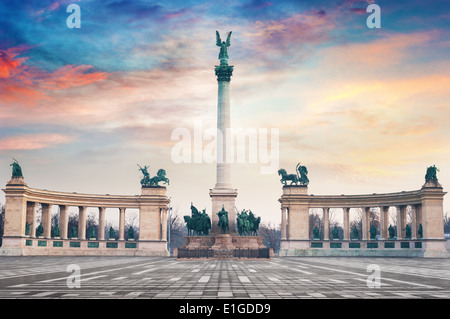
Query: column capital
x=224, y=72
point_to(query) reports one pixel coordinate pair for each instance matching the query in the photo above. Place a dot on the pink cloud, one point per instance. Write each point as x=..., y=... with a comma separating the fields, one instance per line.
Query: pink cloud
x=33, y=142
x=25, y=85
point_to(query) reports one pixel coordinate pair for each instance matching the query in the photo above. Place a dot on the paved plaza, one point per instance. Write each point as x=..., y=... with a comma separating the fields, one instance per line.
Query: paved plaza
x=166, y=278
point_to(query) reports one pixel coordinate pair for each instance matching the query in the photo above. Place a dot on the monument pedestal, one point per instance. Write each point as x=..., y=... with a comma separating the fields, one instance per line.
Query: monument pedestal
x=223, y=197
x=222, y=246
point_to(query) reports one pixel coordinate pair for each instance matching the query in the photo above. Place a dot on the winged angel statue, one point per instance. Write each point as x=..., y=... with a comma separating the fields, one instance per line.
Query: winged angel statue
x=223, y=55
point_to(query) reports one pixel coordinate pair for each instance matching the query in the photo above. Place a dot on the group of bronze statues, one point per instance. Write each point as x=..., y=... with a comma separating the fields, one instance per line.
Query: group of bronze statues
x=199, y=224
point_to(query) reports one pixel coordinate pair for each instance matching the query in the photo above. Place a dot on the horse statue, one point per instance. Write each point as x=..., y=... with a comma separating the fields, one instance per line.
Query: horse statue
x=160, y=177
x=299, y=177
x=197, y=223
x=243, y=224
x=254, y=224
x=247, y=223
x=287, y=177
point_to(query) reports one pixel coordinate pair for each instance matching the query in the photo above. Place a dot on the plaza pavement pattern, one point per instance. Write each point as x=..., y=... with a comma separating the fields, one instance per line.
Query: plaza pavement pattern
x=166, y=278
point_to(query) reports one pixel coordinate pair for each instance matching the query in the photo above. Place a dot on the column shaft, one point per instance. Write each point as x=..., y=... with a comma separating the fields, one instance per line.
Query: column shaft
x=164, y=224
x=101, y=223
x=384, y=222
x=121, y=223
x=326, y=223
x=81, y=222
x=31, y=218
x=365, y=223
x=346, y=212
x=283, y=222
x=401, y=221
x=223, y=124
x=47, y=220
x=63, y=221
x=414, y=222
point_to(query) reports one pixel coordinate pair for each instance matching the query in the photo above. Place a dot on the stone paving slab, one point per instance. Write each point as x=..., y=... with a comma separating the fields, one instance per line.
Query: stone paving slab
x=279, y=278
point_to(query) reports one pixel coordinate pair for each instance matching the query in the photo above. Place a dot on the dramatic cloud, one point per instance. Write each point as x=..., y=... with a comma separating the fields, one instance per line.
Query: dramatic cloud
x=24, y=85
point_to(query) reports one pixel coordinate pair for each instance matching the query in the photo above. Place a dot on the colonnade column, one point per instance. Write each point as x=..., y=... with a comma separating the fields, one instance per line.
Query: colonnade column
x=31, y=217
x=122, y=223
x=419, y=218
x=63, y=221
x=101, y=223
x=81, y=222
x=346, y=212
x=283, y=222
x=326, y=223
x=365, y=223
x=47, y=220
x=384, y=221
x=164, y=223
x=413, y=221
x=401, y=221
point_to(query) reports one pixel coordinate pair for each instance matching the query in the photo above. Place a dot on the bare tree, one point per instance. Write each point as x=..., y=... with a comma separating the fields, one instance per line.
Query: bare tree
x=315, y=220
x=131, y=221
x=177, y=230
x=447, y=223
x=2, y=222
x=271, y=236
x=357, y=223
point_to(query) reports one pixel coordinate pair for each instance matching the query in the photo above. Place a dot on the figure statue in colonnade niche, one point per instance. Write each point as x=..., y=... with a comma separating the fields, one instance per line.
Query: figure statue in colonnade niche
x=92, y=232
x=391, y=231
x=16, y=169
x=407, y=232
x=299, y=177
x=74, y=232
x=56, y=231
x=131, y=233
x=223, y=220
x=420, y=231
x=112, y=234
x=431, y=175
x=335, y=233
x=373, y=232
x=39, y=230
x=355, y=233
x=316, y=233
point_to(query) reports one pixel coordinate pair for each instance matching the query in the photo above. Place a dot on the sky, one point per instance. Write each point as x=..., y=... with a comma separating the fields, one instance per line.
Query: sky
x=366, y=110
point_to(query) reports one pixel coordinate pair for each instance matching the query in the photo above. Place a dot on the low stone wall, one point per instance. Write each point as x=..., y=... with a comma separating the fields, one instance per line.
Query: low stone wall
x=78, y=247
x=367, y=248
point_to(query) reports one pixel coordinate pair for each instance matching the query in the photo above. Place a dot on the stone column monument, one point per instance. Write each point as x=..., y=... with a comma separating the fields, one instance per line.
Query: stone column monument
x=223, y=194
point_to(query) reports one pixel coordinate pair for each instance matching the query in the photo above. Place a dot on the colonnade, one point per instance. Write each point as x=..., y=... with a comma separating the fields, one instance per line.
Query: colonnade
x=65, y=233
x=401, y=211
x=20, y=220
x=426, y=206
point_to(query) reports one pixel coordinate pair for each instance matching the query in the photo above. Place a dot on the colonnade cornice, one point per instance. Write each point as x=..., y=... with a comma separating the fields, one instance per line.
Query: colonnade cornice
x=403, y=198
x=44, y=196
